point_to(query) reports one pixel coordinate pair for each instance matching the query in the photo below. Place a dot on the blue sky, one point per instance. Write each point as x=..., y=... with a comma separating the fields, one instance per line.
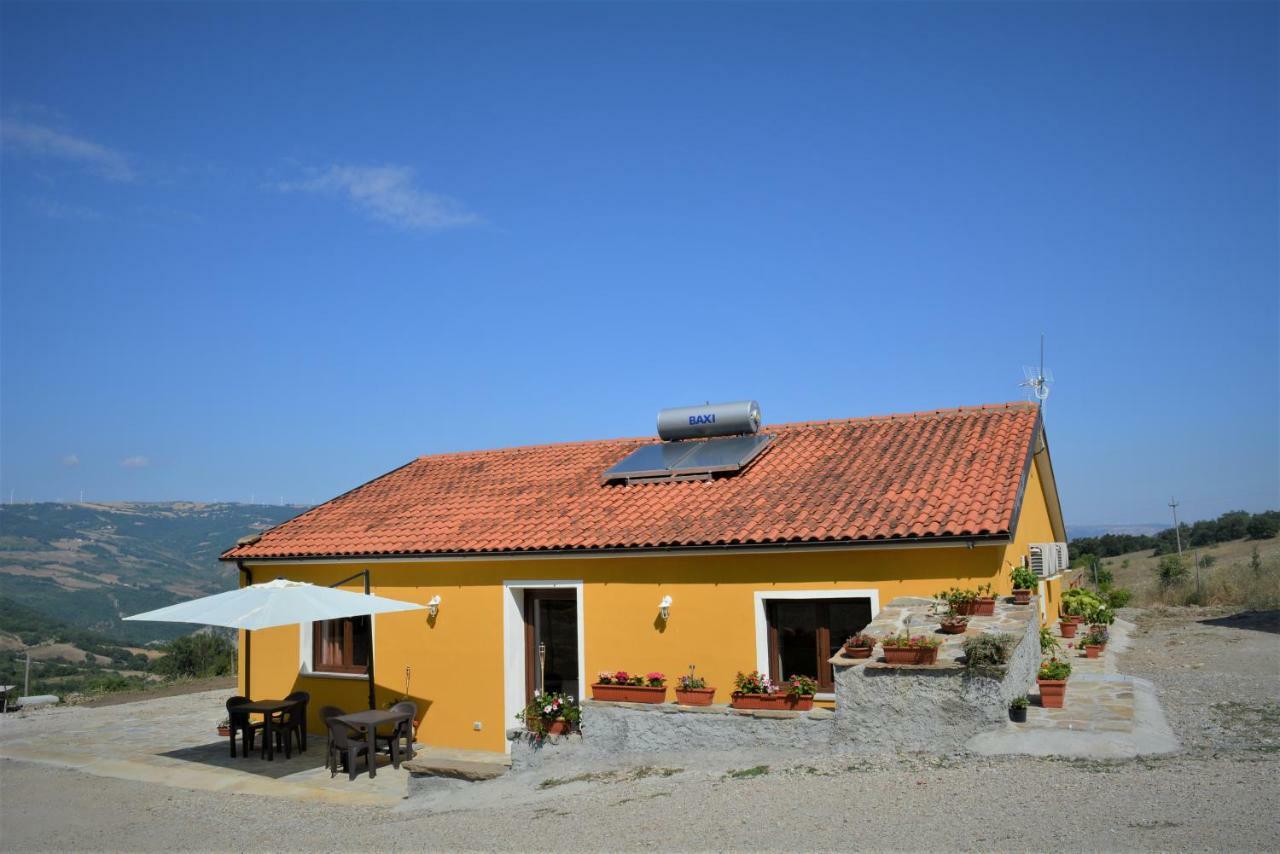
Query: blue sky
x=272, y=251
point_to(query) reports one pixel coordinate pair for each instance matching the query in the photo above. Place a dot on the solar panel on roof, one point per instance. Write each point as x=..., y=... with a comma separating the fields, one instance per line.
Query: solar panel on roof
x=687, y=459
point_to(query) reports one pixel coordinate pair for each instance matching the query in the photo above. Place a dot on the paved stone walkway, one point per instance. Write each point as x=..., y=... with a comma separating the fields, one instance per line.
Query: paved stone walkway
x=1105, y=714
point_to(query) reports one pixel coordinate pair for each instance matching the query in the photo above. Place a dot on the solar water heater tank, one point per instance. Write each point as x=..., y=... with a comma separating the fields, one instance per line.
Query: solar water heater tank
x=712, y=419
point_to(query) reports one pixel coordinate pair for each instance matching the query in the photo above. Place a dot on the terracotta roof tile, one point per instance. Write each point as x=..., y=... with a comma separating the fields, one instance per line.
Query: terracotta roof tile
x=929, y=474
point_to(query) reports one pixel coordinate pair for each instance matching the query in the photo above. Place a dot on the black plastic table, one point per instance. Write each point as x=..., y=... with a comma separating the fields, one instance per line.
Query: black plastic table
x=368, y=721
x=268, y=709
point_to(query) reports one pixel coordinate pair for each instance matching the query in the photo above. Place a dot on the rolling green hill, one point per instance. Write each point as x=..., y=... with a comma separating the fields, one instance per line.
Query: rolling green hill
x=88, y=565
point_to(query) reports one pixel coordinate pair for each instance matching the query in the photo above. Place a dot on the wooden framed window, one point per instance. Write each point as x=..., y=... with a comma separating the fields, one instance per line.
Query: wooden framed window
x=341, y=646
x=805, y=633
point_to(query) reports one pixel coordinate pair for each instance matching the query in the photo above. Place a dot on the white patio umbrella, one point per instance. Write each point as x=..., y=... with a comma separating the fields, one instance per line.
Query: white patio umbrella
x=277, y=603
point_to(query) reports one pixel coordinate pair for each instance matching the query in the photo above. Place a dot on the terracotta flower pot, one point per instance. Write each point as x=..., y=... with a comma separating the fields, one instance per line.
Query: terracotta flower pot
x=557, y=727
x=1092, y=650
x=1074, y=619
x=857, y=651
x=954, y=626
x=1068, y=629
x=1021, y=597
x=778, y=702
x=1052, y=692
x=984, y=607
x=224, y=731
x=1098, y=627
x=628, y=693
x=910, y=655
x=695, y=696
x=965, y=609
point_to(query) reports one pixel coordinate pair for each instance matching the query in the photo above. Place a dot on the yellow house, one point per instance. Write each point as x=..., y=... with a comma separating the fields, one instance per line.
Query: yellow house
x=546, y=569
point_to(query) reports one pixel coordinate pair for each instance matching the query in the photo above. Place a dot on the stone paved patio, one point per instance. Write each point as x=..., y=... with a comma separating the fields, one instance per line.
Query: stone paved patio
x=172, y=741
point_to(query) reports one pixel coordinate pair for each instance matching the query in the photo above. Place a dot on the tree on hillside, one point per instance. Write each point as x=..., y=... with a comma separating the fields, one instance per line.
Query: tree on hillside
x=195, y=656
x=1264, y=526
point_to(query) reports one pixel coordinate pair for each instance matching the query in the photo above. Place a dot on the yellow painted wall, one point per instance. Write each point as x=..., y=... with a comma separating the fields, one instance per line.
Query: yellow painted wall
x=453, y=666
x=456, y=662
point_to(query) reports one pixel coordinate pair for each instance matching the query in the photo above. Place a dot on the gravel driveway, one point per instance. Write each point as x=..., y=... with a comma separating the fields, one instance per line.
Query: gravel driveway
x=1220, y=794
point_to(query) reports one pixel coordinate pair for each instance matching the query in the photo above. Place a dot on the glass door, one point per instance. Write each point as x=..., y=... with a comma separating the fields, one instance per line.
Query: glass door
x=551, y=642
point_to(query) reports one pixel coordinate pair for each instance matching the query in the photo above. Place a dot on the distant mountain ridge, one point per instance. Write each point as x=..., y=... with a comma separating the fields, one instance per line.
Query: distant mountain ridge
x=88, y=565
x=1135, y=528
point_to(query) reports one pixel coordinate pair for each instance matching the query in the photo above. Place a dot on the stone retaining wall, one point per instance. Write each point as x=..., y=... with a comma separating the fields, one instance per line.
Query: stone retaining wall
x=933, y=707
x=879, y=707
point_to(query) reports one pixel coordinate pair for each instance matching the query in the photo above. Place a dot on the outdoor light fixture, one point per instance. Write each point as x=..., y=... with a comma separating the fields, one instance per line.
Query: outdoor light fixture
x=664, y=608
x=433, y=607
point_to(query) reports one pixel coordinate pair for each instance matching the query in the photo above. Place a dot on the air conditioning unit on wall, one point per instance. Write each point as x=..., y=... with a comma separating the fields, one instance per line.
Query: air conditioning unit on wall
x=1048, y=559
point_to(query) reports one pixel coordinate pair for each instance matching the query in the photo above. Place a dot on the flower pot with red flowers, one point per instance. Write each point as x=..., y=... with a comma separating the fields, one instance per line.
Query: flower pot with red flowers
x=754, y=690
x=692, y=690
x=624, y=687
x=859, y=646
x=550, y=714
x=910, y=649
x=1024, y=582
x=1052, y=680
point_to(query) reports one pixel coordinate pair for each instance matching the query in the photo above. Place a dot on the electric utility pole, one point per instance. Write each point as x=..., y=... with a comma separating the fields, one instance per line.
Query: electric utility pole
x=1177, y=532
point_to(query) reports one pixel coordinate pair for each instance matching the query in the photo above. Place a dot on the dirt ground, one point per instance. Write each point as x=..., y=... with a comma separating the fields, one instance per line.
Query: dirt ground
x=1219, y=680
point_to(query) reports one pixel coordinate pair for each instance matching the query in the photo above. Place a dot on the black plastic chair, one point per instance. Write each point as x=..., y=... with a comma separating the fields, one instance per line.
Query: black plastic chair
x=291, y=724
x=326, y=713
x=347, y=746
x=241, y=723
x=401, y=731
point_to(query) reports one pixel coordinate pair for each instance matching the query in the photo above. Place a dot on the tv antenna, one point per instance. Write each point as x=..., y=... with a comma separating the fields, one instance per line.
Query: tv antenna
x=1037, y=380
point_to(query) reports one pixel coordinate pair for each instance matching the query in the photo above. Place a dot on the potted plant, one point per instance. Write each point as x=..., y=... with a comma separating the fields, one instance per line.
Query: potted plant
x=1077, y=603
x=1018, y=710
x=910, y=649
x=960, y=603
x=1068, y=627
x=953, y=624
x=1024, y=582
x=985, y=603
x=859, y=646
x=1052, y=680
x=1101, y=617
x=1094, y=641
x=970, y=603
x=754, y=690
x=692, y=690
x=624, y=687
x=550, y=714
x=224, y=727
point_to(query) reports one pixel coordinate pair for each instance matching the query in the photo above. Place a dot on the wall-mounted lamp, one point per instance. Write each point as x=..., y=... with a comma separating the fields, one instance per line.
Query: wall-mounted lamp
x=433, y=607
x=664, y=608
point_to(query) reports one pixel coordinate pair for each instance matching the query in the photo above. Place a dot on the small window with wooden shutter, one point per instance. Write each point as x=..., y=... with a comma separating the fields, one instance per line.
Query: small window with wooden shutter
x=341, y=646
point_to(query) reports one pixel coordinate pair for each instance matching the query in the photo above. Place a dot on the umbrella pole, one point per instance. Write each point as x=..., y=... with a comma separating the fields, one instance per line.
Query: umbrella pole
x=248, y=635
x=373, y=702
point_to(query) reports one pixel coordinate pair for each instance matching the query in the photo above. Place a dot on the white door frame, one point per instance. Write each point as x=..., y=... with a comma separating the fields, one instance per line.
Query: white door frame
x=513, y=653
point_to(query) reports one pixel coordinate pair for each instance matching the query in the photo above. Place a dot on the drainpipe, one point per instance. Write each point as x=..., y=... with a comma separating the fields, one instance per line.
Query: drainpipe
x=248, y=635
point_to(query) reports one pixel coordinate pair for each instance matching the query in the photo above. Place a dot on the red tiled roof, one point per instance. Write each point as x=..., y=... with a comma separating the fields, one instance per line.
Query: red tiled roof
x=928, y=474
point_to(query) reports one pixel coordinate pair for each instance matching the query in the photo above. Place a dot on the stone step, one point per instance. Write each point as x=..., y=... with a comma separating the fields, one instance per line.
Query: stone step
x=456, y=769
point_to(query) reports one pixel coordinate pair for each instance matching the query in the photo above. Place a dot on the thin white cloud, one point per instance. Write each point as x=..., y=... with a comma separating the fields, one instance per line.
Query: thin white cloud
x=71, y=460
x=136, y=462
x=38, y=140
x=388, y=194
x=60, y=210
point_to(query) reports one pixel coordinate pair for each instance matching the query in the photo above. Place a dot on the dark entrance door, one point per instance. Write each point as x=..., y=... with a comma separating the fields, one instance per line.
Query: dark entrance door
x=551, y=642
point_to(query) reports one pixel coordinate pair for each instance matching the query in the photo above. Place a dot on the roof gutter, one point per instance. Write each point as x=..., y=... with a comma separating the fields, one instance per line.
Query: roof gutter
x=971, y=541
